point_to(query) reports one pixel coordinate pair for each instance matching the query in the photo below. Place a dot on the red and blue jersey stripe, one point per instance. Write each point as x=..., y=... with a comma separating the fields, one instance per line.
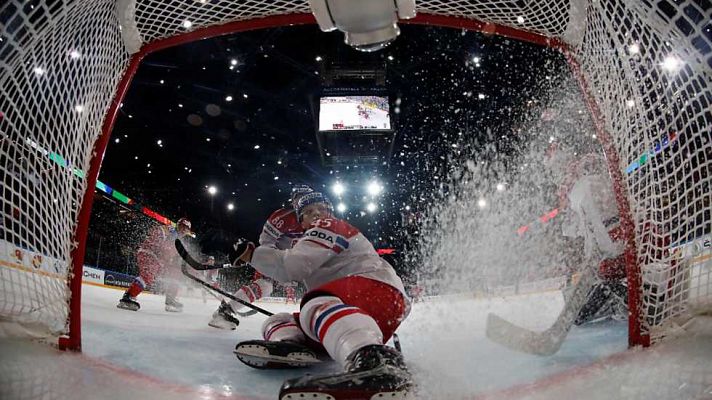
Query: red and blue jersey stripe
x=331, y=315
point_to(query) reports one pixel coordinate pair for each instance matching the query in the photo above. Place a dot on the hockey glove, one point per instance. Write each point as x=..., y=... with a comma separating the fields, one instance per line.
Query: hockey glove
x=241, y=252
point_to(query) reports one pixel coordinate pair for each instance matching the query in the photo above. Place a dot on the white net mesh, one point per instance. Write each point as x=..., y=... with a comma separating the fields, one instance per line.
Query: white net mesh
x=58, y=77
x=156, y=20
x=61, y=61
x=656, y=93
x=549, y=18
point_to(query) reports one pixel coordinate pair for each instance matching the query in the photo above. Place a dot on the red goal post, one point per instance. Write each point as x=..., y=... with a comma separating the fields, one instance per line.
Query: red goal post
x=65, y=66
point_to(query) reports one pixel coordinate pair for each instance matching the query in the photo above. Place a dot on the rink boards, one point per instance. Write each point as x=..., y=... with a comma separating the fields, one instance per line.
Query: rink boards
x=22, y=269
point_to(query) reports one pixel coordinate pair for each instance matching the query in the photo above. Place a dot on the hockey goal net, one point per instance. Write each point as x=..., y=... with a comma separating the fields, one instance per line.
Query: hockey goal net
x=65, y=65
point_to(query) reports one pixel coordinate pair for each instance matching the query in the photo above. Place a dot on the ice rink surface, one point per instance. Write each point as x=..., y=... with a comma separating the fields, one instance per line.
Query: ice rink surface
x=152, y=354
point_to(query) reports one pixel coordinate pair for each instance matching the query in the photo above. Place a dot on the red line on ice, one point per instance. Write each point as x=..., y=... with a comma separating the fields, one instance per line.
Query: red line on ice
x=525, y=389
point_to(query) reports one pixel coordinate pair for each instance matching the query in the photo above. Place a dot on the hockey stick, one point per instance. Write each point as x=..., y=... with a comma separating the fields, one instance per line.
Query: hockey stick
x=195, y=264
x=210, y=292
x=547, y=342
x=246, y=313
x=240, y=313
x=183, y=252
x=184, y=269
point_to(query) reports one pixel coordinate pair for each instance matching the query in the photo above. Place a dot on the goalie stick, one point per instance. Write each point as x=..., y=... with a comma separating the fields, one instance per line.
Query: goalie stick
x=184, y=268
x=548, y=342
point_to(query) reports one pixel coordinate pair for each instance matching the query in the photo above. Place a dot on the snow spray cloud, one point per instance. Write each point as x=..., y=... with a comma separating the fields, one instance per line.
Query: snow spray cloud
x=473, y=244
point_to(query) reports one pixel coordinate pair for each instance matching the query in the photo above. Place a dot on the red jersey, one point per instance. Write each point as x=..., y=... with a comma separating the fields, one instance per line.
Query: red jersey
x=159, y=244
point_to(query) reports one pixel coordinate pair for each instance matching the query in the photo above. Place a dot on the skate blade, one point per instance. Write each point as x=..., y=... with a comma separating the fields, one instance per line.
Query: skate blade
x=127, y=307
x=174, y=309
x=257, y=356
x=346, y=395
x=227, y=326
x=273, y=362
x=307, y=395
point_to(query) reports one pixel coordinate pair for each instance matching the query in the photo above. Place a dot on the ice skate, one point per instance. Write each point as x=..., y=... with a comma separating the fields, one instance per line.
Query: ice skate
x=372, y=372
x=619, y=307
x=263, y=354
x=128, y=303
x=172, y=305
x=224, y=317
x=606, y=301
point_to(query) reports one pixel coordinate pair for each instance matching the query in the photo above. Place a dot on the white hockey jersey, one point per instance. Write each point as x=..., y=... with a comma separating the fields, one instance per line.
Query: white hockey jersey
x=330, y=250
x=282, y=229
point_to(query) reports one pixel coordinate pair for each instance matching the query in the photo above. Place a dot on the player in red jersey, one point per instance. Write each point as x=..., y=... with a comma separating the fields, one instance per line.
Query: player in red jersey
x=157, y=260
x=281, y=230
x=290, y=294
x=354, y=304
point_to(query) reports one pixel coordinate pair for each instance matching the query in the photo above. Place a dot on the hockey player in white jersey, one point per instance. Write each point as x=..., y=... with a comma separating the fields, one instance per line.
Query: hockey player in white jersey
x=281, y=230
x=354, y=304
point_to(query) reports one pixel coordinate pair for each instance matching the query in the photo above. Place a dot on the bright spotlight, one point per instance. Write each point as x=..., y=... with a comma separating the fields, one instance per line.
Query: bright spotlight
x=338, y=188
x=671, y=64
x=212, y=190
x=374, y=188
x=481, y=203
x=341, y=207
x=371, y=207
x=500, y=187
x=230, y=206
x=634, y=48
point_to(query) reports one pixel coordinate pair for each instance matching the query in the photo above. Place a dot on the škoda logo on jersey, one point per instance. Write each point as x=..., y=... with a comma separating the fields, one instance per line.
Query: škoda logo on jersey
x=335, y=243
x=321, y=235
